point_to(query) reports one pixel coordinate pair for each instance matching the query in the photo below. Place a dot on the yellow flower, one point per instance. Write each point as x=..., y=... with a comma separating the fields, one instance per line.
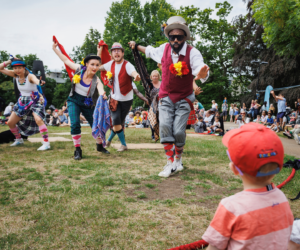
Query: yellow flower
x=178, y=67
x=76, y=79
x=109, y=75
x=82, y=62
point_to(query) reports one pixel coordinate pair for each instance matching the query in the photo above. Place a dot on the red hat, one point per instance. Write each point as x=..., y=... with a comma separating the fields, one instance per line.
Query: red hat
x=56, y=110
x=252, y=146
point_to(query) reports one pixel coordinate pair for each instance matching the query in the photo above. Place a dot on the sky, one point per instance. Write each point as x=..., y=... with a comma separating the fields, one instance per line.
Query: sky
x=28, y=26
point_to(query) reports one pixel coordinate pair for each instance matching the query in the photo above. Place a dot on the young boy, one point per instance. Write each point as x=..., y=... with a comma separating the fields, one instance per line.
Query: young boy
x=138, y=119
x=270, y=120
x=260, y=216
x=199, y=126
x=216, y=127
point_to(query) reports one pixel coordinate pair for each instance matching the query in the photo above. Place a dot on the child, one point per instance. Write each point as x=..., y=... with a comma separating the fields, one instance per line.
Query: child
x=258, y=120
x=260, y=216
x=199, y=126
x=138, y=119
x=146, y=122
x=216, y=127
x=129, y=119
x=270, y=120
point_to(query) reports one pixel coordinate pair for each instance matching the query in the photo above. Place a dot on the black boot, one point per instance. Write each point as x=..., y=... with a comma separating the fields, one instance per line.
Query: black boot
x=78, y=154
x=101, y=149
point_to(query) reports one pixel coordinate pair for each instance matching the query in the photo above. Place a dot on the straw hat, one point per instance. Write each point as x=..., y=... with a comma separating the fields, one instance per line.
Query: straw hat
x=177, y=22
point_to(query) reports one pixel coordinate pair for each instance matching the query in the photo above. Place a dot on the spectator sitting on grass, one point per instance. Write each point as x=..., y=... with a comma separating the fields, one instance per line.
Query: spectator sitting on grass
x=264, y=117
x=129, y=119
x=62, y=118
x=258, y=119
x=54, y=119
x=209, y=118
x=48, y=116
x=145, y=122
x=138, y=119
x=272, y=109
x=241, y=119
x=8, y=110
x=200, y=125
x=243, y=221
x=216, y=127
x=270, y=120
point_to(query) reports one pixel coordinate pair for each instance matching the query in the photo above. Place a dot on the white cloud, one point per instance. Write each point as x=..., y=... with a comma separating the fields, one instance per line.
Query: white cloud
x=30, y=25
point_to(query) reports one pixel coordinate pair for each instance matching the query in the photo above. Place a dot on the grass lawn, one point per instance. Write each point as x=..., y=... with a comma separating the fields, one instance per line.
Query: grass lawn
x=116, y=201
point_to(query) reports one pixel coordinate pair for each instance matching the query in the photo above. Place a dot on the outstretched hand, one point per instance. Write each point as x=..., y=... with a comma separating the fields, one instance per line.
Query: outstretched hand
x=202, y=73
x=54, y=45
x=99, y=49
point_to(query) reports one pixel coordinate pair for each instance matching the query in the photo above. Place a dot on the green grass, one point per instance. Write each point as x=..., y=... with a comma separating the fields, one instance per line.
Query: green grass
x=116, y=201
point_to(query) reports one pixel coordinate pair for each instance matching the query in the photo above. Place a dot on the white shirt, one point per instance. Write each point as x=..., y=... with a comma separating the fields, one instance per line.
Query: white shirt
x=196, y=59
x=117, y=93
x=215, y=106
x=263, y=118
x=27, y=88
x=7, y=110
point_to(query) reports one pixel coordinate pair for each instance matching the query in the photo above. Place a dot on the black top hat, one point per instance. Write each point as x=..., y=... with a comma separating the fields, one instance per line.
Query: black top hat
x=91, y=56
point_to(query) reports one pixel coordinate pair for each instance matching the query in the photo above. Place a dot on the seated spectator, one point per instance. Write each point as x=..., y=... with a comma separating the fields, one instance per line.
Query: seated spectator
x=216, y=127
x=294, y=243
x=272, y=109
x=208, y=118
x=146, y=122
x=200, y=125
x=264, y=117
x=65, y=109
x=62, y=118
x=241, y=119
x=270, y=120
x=129, y=119
x=54, y=119
x=293, y=133
x=48, y=116
x=8, y=109
x=138, y=119
x=258, y=119
x=243, y=221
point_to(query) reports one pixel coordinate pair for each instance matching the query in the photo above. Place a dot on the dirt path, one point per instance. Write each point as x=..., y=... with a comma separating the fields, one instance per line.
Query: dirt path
x=290, y=146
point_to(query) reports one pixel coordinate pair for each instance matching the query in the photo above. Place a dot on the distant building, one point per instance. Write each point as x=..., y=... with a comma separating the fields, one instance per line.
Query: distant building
x=57, y=75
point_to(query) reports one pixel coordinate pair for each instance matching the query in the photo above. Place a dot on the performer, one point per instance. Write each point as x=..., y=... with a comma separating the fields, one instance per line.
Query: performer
x=28, y=113
x=120, y=73
x=180, y=62
x=83, y=96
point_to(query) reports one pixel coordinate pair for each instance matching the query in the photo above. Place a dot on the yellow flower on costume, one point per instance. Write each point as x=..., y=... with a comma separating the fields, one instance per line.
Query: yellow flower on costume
x=82, y=62
x=109, y=75
x=76, y=79
x=178, y=67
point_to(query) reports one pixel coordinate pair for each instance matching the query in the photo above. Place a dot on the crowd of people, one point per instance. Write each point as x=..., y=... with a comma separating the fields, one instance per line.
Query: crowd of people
x=259, y=217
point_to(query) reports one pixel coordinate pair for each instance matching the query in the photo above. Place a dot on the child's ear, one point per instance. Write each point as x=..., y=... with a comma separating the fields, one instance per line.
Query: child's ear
x=233, y=168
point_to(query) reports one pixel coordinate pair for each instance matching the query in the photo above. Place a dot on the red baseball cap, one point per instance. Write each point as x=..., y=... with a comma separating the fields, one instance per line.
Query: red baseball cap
x=252, y=146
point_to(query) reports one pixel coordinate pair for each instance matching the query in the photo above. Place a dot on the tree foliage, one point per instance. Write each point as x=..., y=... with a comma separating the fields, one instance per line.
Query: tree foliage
x=281, y=22
x=280, y=71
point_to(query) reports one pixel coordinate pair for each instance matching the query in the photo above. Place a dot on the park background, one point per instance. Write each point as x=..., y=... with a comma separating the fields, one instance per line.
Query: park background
x=229, y=35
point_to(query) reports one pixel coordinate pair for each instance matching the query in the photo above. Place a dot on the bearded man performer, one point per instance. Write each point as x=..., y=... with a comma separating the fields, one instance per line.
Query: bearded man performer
x=180, y=62
x=121, y=73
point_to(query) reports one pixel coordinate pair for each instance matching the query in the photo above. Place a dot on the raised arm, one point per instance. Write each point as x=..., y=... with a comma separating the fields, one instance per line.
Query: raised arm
x=99, y=50
x=6, y=71
x=275, y=97
x=64, y=59
x=139, y=47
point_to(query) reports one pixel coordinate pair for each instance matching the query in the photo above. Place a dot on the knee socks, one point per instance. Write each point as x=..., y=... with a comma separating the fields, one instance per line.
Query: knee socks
x=76, y=140
x=112, y=135
x=16, y=133
x=178, y=152
x=121, y=136
x=44, y=132
x=169, y=151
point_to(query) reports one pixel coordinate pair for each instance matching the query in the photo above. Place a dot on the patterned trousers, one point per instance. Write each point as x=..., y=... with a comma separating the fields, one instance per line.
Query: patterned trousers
x=76, y=107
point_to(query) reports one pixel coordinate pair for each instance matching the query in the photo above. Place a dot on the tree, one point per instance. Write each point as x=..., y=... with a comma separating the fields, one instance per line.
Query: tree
x=280, y=19
x=280, y=71
x=216, y=39
x=61, y=93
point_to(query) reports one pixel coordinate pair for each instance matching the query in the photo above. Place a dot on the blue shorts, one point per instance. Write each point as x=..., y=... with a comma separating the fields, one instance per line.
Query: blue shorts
x=280, y=115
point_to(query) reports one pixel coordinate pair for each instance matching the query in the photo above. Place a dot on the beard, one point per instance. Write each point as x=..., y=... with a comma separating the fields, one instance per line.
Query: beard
x=176, y=50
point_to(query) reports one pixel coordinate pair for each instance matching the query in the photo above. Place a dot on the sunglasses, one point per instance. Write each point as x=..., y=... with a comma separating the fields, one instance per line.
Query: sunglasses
x=173, y=37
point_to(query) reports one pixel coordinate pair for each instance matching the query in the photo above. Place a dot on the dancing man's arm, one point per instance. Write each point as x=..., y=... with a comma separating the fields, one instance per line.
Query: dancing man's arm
x=197, y=89
x=64, y=59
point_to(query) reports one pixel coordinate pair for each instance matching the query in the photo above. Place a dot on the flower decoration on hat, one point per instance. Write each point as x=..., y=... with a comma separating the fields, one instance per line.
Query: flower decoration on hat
x=82, y=62
x=179, y=69
x=109, y=75
x=163, y=26
x=76, y=79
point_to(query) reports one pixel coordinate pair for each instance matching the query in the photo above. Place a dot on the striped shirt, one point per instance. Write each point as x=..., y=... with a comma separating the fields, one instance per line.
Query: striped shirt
x=252, y=219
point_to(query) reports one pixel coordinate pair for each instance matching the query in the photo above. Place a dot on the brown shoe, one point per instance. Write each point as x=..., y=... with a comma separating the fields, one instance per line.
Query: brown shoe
x=122, y=148
x=108, y=144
